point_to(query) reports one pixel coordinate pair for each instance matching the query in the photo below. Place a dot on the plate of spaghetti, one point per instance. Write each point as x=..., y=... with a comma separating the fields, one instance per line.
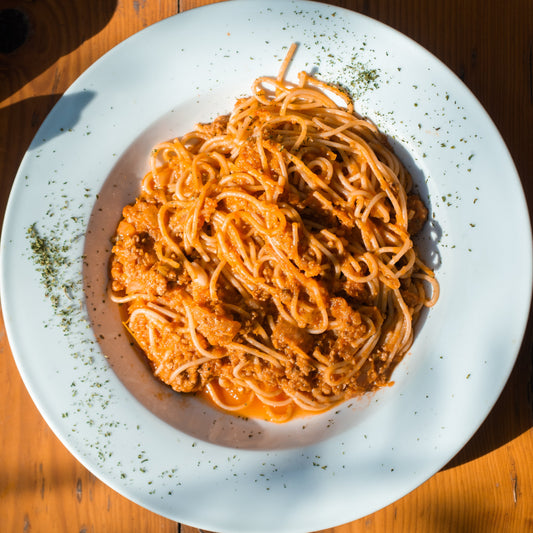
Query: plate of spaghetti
x=259, y=265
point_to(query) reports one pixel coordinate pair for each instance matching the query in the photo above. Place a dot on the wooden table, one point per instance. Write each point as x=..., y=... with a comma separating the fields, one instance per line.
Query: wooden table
x=488, y=487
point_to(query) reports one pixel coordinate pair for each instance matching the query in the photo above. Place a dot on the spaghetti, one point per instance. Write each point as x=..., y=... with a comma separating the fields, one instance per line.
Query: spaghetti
x=268, y=260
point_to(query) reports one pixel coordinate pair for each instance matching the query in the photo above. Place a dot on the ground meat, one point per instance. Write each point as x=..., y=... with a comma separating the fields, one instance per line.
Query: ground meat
x=417, y=213
x=350, y=328
x=143, y=216
x=135, y=269
x=135, y=266
x=218, y=329
x=286, y=335
x=248, y=158
x=173, y=349
x=298, y=379
x=215, y=128
x=358, y=291
x=344, y=314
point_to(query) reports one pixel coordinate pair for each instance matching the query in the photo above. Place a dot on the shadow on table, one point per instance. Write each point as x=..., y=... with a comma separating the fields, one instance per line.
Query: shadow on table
x=33, y=35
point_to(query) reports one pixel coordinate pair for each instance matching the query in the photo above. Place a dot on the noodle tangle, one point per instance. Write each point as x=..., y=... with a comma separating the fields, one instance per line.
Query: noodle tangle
x=269, y=260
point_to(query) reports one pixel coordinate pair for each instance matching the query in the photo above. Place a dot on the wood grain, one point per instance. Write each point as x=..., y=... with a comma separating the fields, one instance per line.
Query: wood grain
x=488, y=486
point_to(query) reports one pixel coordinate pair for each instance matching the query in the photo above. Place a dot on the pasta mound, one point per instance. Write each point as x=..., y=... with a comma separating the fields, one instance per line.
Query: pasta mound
x=268, y=259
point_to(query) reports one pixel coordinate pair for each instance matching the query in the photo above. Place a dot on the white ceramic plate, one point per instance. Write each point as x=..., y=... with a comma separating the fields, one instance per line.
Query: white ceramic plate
x=172, y=454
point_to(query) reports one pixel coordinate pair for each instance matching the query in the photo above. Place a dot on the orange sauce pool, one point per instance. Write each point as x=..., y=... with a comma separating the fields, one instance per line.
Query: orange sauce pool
x=243, y=404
